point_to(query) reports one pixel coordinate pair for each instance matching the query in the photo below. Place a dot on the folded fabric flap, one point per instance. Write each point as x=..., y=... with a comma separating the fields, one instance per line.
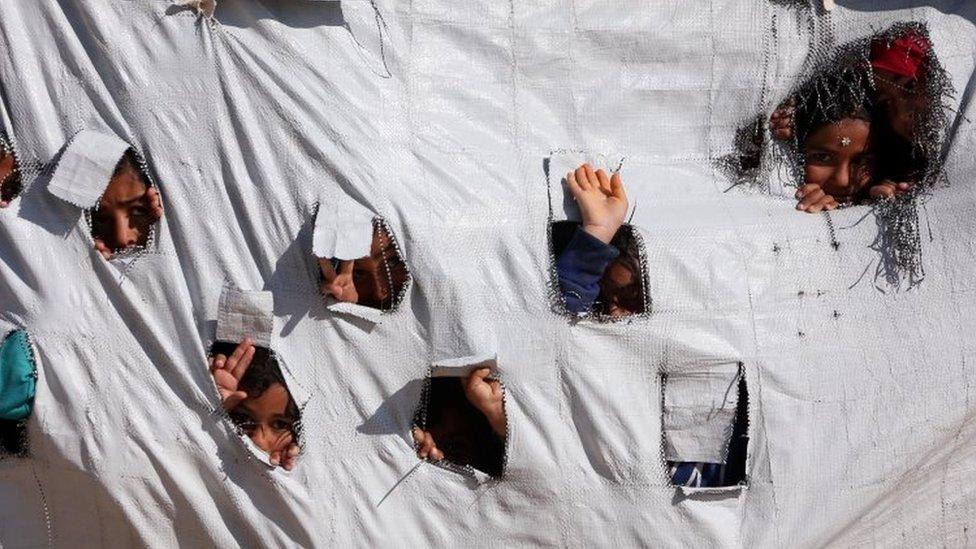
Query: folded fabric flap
x=462, y=366
x=559, y=164
x=85, y=168
x=245, y=314
x=699, y=412
x=369, y=314
x=18, y=376
x=343, y=229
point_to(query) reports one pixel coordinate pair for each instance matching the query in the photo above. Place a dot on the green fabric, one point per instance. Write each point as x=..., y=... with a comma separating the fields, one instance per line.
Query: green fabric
x=18, y=376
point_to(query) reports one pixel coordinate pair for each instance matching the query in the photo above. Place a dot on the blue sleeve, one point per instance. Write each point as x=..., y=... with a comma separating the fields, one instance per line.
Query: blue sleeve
x=580, y=267
x=18, y=376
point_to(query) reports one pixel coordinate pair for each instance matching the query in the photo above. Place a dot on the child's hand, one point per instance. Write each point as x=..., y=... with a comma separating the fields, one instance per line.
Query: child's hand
x=340, y=284
x=228, y=371
x=102, y=249
x=486, y=395
x=285, y=452
x=781, y=122
x=426, y=447
x=888, y=188
x=155, y=204
x=601, y=200
x=812, y=199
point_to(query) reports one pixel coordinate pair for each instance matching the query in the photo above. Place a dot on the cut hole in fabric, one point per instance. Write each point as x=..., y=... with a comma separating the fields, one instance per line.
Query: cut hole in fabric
x=18, y=385
x=376, y=280
x=124, y=220
x=606, y=281
x=706, y=428
x=10, y=177
x=256, y=399
x=461, y=422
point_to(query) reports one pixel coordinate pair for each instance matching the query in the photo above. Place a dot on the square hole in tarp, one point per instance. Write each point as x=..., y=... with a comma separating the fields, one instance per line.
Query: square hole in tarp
x=732, y=472
x=623, y=287
x=461, y=431
x=379, y=280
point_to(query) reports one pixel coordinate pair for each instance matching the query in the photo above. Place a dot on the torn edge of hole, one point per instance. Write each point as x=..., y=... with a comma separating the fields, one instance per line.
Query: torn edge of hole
x=12, y=183
x=439, y=373
x=733, y=472
x=19, y=374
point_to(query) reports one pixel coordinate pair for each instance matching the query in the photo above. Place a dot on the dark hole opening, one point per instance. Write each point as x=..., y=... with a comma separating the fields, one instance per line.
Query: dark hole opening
x=378, y=280
x=13, y=438
x=10, y=177
x=269, y=415
x=460, y=430
x=124, y=219
x=621, y=287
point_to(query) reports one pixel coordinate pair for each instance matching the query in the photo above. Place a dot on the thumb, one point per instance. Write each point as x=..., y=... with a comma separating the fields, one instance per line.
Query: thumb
x=617, y=187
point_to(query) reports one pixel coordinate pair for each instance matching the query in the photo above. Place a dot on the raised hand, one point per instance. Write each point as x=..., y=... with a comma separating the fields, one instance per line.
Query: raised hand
x=601, y=201
x=103, y=249
x=813, y=199
x=782, y=123
x=486, y=395
x=339, y=284
x=426, y=447
x=888, y=188
x=228, y=371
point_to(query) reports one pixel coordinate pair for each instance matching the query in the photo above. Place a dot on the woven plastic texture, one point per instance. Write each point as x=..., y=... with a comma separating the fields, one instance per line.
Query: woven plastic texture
x=437, y=116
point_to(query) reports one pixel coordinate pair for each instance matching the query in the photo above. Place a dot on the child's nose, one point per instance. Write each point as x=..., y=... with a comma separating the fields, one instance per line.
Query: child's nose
x=842, y=176
x=125, y=235
x=263, y=439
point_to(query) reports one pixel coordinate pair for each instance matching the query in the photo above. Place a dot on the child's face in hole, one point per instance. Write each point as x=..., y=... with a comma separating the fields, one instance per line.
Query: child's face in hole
x=265, y=420
x=7, y=164
x=902, y=101
x=124, y=214
x=838, y=159
x=620, y=289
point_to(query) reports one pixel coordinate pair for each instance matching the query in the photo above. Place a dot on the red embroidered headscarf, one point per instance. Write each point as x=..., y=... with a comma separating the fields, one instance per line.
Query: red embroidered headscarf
x=904, y=56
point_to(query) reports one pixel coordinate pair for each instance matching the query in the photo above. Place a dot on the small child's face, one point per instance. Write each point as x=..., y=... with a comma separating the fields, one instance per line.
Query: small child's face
x=7, y=164
x=369, y=273
x=902, y=101
x=124, y=215
x=620, y=290
x=265, y=420
x=8, y=186
x=838, y=158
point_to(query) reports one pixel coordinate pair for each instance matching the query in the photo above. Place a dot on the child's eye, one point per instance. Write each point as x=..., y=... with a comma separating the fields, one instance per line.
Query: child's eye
x=818, y=158
x=281, y=425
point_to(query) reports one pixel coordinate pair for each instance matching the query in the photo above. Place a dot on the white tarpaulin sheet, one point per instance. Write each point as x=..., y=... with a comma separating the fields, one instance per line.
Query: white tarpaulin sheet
x=437, y=115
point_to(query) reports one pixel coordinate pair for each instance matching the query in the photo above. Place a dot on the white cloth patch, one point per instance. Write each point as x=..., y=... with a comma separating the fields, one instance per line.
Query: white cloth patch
x=462, y=366
x=343, y=229
x=561, y=163
x=245, y=314
x=85, y=168
x=699, y=408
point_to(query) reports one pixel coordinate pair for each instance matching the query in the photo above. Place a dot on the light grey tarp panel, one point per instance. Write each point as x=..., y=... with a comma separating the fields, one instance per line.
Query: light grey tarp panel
x=437, y=115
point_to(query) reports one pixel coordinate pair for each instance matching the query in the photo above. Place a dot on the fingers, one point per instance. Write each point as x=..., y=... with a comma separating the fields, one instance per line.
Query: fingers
x=328, y=270
x=581, y=178
x=604, y=181
x=807, y=195
x=617, y=187
x=573, y=185
x=827, y=203
x=155, y=204
x=884, y=190
x=217, y=362
x=102, y=249
x=479, y=374
x=4, y=203
x=591, y=176
x=240, y=359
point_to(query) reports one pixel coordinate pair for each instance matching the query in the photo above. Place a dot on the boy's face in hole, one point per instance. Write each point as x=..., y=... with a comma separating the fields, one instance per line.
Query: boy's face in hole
x=838, y=158
x=902, y=100
x=124, y=215
x=265, y=420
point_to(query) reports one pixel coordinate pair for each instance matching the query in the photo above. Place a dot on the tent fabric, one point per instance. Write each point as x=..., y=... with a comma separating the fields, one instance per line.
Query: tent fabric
x=438, y=118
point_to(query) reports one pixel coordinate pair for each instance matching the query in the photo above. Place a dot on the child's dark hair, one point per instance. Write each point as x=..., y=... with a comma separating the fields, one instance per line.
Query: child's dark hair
x=831, y=98
x=261, y=374
x=394, y=269
x=629, y=296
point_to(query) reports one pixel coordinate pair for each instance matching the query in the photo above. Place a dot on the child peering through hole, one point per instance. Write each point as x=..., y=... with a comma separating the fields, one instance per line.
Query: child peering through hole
x=9, y=174
x=464, y=422
x=893, y=103
x=599, y=269
x=127, y=210
x=254, y=395
x=375, y=280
